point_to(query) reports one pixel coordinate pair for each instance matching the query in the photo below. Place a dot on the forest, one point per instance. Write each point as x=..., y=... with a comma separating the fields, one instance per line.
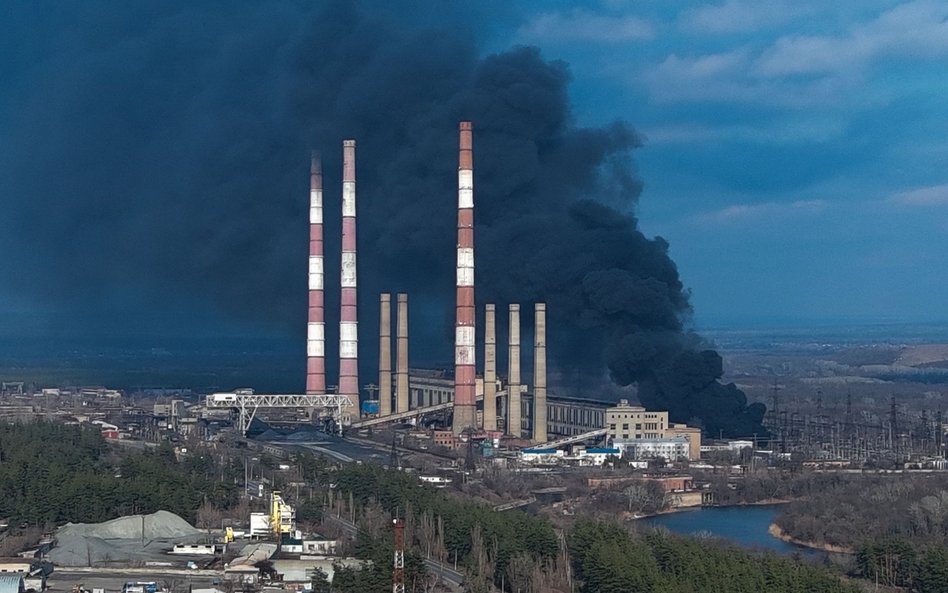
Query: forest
x=54, y=473
x=896, y=524
x=526, y=553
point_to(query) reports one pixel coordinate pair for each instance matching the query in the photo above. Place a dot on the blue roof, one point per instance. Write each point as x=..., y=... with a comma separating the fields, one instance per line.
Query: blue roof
x=11, y=583
x=539, y=451
x=603, y=450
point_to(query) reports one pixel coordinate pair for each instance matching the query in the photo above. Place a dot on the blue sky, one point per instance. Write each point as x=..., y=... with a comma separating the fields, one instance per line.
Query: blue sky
x=796, y=152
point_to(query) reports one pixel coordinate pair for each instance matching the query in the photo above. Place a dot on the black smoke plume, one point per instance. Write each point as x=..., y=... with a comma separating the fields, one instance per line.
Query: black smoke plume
x=153, y=177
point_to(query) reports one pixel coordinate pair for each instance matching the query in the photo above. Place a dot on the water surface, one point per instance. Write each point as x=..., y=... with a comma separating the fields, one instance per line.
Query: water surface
x=746, y=526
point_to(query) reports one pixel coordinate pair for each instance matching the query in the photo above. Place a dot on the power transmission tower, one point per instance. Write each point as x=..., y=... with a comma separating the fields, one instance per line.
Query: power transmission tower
x=398, y=568
x=939, y=434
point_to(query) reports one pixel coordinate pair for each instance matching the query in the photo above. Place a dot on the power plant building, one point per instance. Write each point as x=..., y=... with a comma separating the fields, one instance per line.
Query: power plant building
x=478, y=405
x=624, y=421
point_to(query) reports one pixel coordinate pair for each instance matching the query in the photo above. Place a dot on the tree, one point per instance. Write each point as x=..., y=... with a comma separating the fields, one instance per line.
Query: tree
x=208, y=517
x=266, y=569
x=320, y=581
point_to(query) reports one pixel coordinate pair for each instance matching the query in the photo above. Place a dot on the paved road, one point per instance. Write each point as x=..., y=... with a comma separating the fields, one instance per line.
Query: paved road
x=334, y=447
x=111, y=580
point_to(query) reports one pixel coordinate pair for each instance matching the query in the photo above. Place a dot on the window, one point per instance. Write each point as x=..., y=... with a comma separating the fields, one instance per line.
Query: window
x=625, y=426
x=638, y=426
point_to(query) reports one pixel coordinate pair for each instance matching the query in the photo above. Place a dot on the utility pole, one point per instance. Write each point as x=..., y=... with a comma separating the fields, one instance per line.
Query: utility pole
x=894, y=426
x=398, y=569
x=939, y=435
x=776, y=398
x=393, y=459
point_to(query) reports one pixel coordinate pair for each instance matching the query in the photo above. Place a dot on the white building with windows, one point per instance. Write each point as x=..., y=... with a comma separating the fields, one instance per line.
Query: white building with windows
x=669, y=449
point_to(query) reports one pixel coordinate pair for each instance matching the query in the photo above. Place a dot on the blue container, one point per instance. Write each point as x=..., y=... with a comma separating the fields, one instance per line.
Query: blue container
x=370, y=406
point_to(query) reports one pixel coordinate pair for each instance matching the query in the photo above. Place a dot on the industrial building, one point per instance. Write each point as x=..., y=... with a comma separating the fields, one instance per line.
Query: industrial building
x=474, y=405
x=669, y=449
x=565, y=416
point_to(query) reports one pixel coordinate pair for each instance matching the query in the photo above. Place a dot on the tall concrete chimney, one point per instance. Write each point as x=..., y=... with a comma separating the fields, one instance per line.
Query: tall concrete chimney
x=490, y=369
x=348, y=315
x=401, y=368
x=385, y=354
x=539, y=373
x=316, y=326
x=513, y=372
x=464, y=358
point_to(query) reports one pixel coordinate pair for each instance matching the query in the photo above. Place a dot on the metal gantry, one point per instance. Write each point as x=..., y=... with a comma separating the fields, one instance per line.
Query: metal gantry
x=247, y=403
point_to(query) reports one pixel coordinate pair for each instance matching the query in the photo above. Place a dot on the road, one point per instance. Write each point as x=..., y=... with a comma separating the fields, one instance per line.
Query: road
x=445, y=572
x=112, y=579
x=332, y=446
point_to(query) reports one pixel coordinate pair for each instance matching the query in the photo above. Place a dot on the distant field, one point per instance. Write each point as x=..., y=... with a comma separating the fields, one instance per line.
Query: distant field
x=868, y=366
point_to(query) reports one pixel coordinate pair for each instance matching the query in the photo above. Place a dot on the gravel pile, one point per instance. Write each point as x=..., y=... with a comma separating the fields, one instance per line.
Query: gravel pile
x=160, y=525
x=121, y=541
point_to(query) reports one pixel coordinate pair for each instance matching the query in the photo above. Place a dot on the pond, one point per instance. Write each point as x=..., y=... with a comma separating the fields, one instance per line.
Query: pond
x=743, y=525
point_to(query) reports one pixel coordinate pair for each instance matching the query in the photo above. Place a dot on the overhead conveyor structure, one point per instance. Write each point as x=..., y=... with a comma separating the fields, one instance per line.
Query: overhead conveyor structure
x=246, y=402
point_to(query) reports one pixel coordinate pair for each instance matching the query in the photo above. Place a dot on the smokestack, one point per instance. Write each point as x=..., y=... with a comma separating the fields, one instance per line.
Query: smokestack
x=464, y=384
x=490, y=369
x=539, y=373
x=348, y=316
x=513, y=374
x=401, y=369
x=385, y=354
x=315, y=326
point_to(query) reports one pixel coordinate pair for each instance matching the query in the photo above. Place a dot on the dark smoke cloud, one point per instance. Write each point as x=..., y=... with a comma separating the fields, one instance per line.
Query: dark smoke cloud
x=154, y=179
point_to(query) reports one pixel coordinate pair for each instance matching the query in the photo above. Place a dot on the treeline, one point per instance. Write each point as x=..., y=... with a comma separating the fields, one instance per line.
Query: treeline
x=524, y=553
x=766, y=484
x=53, y=473
x=895, y=562
x=607, y=559
x=849, y=510
x=442, y=526
x=897, y=525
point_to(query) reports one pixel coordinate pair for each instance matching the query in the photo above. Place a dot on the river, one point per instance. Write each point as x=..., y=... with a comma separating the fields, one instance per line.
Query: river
x=743, y=525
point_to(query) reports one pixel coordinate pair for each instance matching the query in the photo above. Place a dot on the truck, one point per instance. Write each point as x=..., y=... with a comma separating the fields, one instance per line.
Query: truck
x=140, y=587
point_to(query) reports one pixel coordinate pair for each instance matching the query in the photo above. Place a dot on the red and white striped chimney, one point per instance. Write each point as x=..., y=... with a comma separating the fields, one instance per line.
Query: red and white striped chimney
x=316, y=326
x=348, y=318
x=464, y=385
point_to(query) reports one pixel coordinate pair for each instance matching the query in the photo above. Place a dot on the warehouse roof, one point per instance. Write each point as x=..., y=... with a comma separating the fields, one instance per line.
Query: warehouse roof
x=11, y=583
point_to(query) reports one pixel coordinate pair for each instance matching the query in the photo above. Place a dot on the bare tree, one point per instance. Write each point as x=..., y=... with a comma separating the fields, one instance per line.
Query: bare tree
x=426, y=532
x=480, y=570
x=520, y=573
x=208, y=517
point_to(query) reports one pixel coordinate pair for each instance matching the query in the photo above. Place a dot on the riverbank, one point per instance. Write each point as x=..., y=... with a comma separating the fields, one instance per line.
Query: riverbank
x=760, y=503
x=778, y=532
